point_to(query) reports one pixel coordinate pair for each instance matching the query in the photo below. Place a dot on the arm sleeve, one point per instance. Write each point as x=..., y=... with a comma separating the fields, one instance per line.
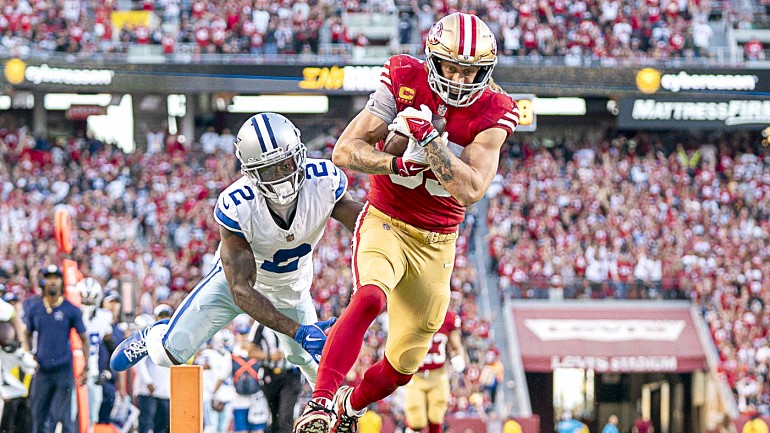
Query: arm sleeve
x=382, y=104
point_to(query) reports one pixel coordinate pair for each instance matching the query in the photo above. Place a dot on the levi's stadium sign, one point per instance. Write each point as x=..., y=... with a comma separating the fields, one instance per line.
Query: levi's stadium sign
x=618, y=338
x=735, y=113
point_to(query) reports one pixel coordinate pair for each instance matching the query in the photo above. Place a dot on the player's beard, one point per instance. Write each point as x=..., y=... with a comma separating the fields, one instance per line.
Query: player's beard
x=52, y=290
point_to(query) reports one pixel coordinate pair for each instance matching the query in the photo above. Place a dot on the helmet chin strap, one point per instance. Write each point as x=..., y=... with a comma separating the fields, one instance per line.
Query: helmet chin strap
x=282, y=190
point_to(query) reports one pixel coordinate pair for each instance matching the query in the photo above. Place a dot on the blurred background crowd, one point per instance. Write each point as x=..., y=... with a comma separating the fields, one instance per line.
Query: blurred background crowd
x=619, y=216
x=578, y=30
x=144, y=220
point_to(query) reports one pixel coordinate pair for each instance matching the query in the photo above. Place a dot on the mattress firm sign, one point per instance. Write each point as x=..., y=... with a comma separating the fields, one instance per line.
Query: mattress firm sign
x=688, y=114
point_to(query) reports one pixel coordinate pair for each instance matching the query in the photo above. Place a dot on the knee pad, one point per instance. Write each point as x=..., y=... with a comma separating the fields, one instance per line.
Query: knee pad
x=155, y=349
x=409, y=351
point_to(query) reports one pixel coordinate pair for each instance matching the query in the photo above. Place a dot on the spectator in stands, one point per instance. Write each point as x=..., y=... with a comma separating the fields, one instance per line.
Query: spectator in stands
x=642, y=424
x=567, y=424
x=612, y=425
x=754, y=50
x=210, y=141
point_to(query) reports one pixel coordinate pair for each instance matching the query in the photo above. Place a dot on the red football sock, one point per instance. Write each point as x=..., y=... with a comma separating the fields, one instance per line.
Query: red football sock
x=347, y=336
x=380, y=380
x=434, y=428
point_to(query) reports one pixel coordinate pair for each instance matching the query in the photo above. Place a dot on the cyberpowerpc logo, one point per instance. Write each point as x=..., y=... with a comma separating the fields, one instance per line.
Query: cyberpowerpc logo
x=649, y=81
x=16, y=71
x=734, y=112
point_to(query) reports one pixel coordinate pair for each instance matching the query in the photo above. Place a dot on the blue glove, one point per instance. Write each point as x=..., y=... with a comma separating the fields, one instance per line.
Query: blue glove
x=312, y=337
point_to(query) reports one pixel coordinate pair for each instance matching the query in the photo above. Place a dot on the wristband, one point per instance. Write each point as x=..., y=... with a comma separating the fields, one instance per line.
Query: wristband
x=394, y=165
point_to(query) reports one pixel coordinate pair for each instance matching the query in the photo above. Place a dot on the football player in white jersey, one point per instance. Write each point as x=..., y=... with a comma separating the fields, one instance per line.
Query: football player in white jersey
x=98, y=323
x=270, y=221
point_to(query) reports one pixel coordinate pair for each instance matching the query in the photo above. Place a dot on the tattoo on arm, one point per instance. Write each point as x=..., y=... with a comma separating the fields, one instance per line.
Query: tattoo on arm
x=440, y=159
x=241, y=273
x=367, y=160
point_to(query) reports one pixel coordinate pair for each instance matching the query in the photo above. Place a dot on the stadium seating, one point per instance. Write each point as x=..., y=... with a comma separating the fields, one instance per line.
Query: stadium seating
x=629, y=219
x=578, y=30
x=145, y=219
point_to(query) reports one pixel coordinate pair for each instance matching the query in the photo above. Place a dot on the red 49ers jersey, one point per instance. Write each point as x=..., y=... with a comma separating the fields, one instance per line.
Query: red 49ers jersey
x=421, y=200
x=437, y=354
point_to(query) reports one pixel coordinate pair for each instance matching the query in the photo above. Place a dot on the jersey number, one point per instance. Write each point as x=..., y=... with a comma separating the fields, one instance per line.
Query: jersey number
x=318, y=170
x=248, y=195
x=286, y=260
x=437, y=353
x=412, y=182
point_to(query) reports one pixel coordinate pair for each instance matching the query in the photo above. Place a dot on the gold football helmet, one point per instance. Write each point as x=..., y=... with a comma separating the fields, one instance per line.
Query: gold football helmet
x=466, y=40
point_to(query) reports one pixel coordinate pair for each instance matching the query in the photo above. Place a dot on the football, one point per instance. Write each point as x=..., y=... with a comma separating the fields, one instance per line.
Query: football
x=395, y=143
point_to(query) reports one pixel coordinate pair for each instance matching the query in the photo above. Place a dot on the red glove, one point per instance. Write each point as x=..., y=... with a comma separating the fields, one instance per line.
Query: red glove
x=406, y=168
x=415, y=124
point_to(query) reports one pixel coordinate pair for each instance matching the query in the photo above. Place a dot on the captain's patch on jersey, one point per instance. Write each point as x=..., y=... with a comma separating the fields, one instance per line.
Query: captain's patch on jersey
x=405, y=95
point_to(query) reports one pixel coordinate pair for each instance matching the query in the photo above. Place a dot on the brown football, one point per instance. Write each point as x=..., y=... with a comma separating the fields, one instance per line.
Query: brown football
x=395, y=143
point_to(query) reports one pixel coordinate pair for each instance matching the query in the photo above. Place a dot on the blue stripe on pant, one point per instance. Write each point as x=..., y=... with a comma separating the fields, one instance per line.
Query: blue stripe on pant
x=210, y=307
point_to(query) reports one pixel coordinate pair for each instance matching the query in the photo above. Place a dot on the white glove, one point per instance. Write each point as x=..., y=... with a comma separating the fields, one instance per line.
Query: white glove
x=415, y=153
x=27, y=361
x=458, y=363
x=416, y=124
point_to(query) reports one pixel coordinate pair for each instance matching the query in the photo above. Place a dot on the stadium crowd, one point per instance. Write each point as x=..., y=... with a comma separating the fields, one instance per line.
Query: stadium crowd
x=579, y=30
x=145, y=220
x=628, y=217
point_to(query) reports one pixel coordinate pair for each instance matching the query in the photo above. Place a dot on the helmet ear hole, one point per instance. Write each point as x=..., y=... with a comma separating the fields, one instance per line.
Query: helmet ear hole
x=481, y=75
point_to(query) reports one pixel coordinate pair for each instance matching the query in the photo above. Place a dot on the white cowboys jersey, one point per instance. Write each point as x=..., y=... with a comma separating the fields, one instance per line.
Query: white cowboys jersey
x=97, y=326
x=284, y=258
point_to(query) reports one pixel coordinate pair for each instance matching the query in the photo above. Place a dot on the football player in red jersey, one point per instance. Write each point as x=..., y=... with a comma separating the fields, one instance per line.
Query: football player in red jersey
x=404, y=245
x=427, y=394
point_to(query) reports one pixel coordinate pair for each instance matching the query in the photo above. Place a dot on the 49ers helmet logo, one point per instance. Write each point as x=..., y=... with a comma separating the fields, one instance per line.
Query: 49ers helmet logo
x=435, y=32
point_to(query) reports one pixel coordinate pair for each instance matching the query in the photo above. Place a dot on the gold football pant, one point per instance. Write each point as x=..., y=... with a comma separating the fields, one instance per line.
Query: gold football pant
x=413, y=267
x=427, y=397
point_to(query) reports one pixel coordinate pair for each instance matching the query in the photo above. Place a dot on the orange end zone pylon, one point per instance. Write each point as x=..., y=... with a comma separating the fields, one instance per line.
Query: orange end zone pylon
x=63, y=234
x=186, y=412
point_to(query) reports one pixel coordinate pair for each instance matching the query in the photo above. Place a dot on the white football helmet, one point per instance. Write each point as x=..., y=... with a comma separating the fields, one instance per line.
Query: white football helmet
x=91, y=292
x=272, y=155
x=466, y=40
